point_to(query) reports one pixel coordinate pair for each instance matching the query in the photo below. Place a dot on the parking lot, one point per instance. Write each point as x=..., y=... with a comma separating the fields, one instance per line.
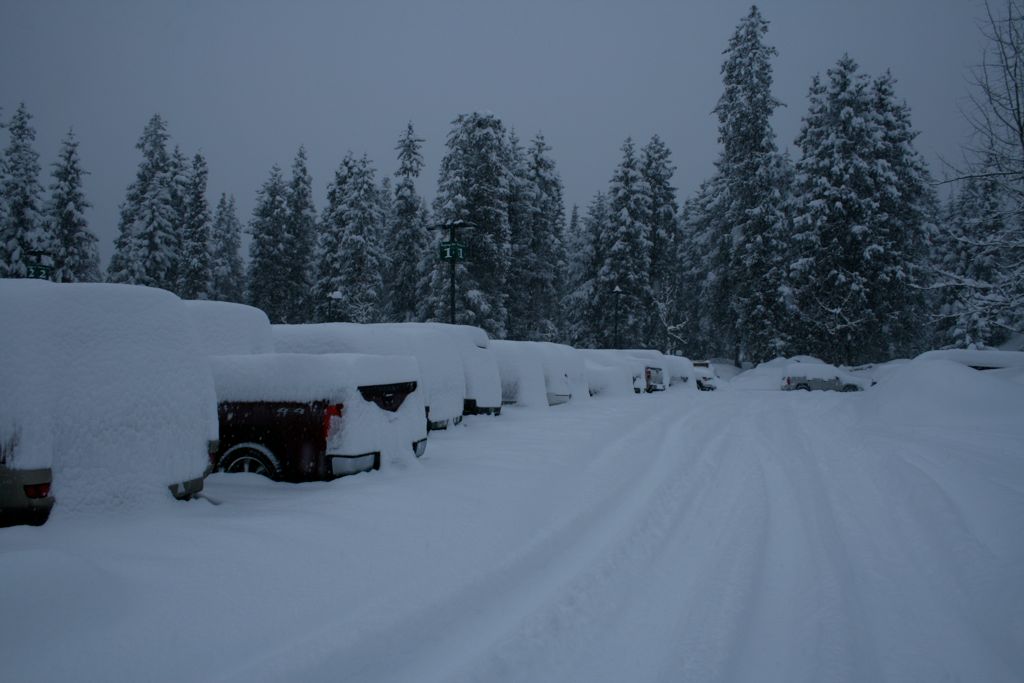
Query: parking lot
x=737, y=535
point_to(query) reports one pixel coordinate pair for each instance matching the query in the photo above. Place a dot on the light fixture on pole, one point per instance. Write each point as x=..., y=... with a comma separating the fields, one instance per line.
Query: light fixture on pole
x=452, y=251
x=618, y=295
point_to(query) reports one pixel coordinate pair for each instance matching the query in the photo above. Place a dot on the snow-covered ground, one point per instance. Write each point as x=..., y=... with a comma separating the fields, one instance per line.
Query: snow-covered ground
x=683, y=536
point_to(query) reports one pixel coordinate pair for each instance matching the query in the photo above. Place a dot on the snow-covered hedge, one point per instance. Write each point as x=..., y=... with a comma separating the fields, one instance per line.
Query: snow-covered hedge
x=229, y=328
x=107, y=385
x=440, y=365
x=335, y=378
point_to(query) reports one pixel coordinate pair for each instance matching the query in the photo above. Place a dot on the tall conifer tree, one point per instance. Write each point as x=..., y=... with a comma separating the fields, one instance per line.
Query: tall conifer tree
x=75, y=256
x=408, y=242
x=227, y=274
x=24, y=228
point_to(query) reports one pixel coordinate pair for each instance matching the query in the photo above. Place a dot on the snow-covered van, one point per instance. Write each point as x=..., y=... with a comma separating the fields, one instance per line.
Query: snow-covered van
x=104, y=385
x=229, y=328
x=305, y=417
x=440, y=366
x=483, y=379
x=623, y=363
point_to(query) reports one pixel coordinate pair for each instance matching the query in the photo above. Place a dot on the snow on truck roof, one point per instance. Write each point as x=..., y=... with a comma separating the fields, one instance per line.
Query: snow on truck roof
x=305, y=377
x=105, y=384
x=228, y=328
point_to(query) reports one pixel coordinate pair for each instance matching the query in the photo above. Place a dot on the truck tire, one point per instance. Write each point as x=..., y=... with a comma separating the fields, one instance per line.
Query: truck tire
x=250, y=457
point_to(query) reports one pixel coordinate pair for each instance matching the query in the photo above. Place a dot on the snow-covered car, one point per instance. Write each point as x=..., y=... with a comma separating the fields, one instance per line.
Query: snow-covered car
x=811, y=376
x=659, y=370
x=608, y=380
x=521, y=369
x=442, y=376
x=229, y=328
x=304, y=417
x=565, y=376
x=707, y=379
x=979, y=359
x=624, y=363
x=483, y=379
x=106, y=386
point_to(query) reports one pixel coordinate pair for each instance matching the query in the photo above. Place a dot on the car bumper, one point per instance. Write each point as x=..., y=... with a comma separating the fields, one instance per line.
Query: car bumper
x=187, y=489
x=343, y=465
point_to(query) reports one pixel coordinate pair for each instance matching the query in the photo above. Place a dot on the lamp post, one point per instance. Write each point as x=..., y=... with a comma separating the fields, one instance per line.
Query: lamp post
x=334, y=297
x=452, y=251
x=618, y=296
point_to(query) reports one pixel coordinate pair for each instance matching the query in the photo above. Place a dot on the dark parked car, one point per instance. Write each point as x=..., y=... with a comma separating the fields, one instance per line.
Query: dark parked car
x=24, y=493
x=298, y=417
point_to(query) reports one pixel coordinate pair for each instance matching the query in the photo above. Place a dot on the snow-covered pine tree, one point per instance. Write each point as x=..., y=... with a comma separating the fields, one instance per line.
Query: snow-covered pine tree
x=750, y=242
x=547, y=239
x=473, y=186
x=75, y=256
x=24, y=228
x=194, y=276
x=587, y=244
x=838, y=187
x=523, y=259
x=300, y=237
x=972, y=258
x=268, y=276
x=408, y=242
x=696, y=279
x=227, y=274
x=386, y=224
x=146, y=248
x=656, y=169
x=349, y=252
x=179, y=183
x=906, y=217
x=624, y=319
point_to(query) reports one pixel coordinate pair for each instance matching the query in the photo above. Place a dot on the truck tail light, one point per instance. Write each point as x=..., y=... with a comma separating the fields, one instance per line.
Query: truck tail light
x=37, y=490
x=335, y=410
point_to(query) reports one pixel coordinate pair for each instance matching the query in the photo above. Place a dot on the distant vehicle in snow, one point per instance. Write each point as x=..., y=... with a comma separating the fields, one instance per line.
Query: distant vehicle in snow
x=24, y=493
x=707, y=378
x=483, y=378
x=299, y=417
x=979, y=359
x=818, y=376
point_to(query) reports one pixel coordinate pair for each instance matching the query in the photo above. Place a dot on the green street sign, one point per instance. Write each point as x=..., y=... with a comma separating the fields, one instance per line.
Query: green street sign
x=38, y=272
x=452, y=251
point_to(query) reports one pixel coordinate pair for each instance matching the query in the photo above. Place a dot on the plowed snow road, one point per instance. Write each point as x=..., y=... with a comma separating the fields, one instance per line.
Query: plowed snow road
x=739, y=536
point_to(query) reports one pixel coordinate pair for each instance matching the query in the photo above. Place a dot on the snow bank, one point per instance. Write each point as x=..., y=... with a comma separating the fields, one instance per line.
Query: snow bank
x=229, y=328
x=483, y=379
x=335, y=378
x=107, y=385
x=985, y=359
x=521, y=367
x=440, y=365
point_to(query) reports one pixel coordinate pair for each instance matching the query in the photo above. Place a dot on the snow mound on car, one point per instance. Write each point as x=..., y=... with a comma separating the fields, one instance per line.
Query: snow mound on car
x=945, y=393
x=229, y=328
x=521, y=368
x=107, y=386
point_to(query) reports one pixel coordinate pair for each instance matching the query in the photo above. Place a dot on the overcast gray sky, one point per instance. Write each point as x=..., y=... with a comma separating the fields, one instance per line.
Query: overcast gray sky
x=248, y=82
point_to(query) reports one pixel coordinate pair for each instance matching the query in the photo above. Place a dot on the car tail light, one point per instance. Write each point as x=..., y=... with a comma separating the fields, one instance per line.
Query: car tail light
x=329, y=412
x=37, y=490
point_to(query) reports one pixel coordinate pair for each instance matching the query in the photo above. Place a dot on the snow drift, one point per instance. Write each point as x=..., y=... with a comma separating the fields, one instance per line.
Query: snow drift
x=229, y=328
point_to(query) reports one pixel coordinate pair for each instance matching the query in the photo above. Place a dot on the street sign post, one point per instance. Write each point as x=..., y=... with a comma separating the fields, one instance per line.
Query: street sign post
x=451, y=251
